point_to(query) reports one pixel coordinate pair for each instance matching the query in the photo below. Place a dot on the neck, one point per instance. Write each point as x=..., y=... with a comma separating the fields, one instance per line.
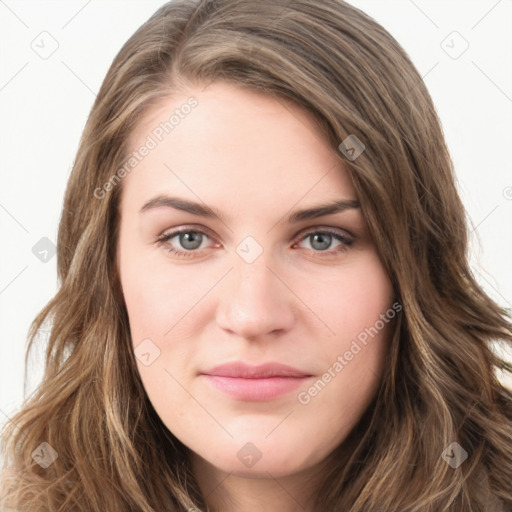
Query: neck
x=226, y=492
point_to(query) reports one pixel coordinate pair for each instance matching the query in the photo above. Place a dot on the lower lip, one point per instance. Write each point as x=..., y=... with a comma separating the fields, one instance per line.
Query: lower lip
x=255, y=389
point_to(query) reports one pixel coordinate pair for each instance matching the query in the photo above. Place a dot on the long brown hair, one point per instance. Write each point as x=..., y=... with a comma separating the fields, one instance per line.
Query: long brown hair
x=106, y=447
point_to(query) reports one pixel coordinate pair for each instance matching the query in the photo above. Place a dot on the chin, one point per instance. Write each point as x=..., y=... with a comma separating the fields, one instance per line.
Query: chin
x=259, y=458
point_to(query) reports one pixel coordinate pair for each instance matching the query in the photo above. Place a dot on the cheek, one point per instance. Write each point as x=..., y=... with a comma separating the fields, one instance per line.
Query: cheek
x=157, y=303
x=156, y=299
x=356, y=305
x=166, y=311
x=351, y=299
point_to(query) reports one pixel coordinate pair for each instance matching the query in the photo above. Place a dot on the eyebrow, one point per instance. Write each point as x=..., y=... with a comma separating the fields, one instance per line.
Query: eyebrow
x=206, y=211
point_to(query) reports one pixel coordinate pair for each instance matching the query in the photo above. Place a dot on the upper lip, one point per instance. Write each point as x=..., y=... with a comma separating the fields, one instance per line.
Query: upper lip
x=243, y=370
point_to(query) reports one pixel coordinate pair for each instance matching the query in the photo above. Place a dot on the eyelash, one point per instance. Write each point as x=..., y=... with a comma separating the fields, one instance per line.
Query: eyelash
x=346, y=242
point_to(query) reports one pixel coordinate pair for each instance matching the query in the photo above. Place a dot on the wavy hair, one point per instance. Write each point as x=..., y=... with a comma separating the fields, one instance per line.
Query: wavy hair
x=440, y=384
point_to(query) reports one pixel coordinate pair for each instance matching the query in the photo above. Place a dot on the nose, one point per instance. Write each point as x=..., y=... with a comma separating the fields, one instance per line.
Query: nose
x=255, y=302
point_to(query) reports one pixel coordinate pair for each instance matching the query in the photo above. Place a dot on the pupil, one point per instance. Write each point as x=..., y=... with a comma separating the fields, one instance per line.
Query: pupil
x=325, y=238
x=189, y=240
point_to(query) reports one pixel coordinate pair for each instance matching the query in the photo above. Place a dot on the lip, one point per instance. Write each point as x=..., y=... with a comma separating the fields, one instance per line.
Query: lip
x=256, y=383
x=239, y=369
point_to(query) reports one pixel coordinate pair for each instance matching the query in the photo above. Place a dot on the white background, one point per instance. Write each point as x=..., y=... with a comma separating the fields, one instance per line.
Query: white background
x=44, y=104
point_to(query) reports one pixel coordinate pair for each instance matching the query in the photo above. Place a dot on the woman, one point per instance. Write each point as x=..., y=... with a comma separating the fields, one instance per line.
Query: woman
x=265, y=300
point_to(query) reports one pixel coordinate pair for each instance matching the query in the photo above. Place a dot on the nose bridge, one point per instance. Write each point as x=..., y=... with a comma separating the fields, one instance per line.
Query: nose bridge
x=253, y=281
x=254, y=302
x=251, y=275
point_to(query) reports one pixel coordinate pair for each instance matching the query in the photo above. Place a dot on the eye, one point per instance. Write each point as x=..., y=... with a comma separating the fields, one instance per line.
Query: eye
x=192, y=240
x=189, y=239
x=321, y=240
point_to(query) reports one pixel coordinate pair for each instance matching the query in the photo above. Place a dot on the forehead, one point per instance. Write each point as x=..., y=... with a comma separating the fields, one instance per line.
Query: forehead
x=233, y=145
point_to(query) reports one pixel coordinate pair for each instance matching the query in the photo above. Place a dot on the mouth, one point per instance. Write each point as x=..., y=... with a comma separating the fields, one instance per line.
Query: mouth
x=255, y=383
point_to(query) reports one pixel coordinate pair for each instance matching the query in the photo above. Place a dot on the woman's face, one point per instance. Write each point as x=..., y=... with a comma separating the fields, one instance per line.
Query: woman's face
x=256, y=282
